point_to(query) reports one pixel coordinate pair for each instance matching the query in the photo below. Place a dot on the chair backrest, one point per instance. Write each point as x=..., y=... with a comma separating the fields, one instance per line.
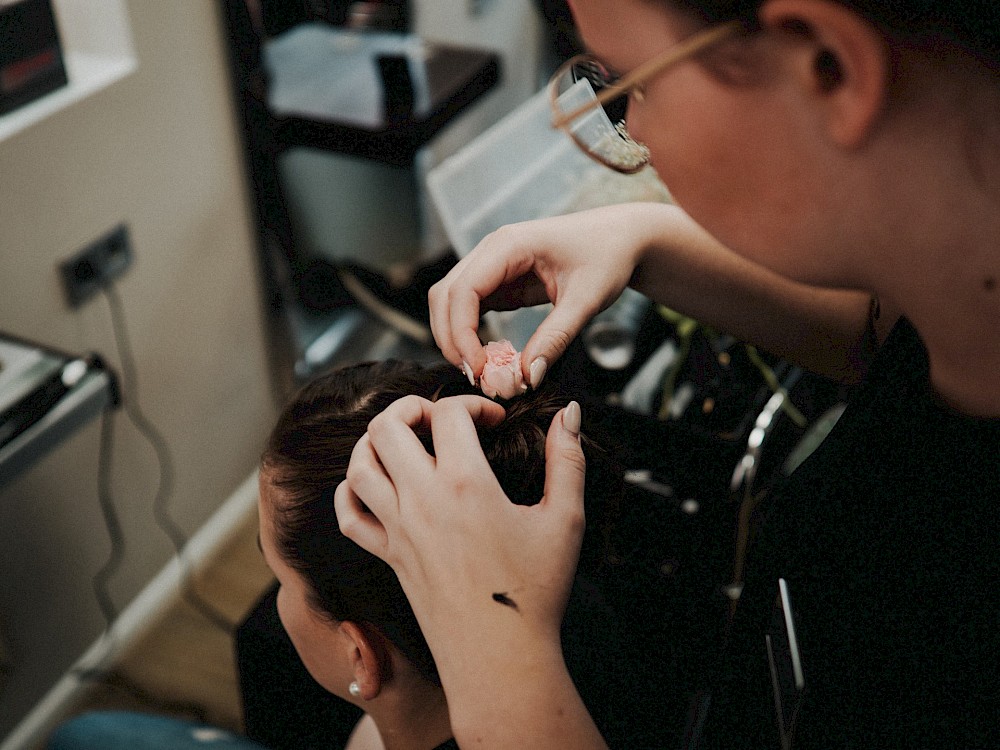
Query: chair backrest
x=385, y=15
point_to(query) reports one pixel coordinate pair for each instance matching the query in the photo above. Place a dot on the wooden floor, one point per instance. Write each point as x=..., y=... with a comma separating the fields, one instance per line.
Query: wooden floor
x=185, y=664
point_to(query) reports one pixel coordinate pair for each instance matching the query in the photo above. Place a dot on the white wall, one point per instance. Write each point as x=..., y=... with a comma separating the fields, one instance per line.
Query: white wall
x=159, y=151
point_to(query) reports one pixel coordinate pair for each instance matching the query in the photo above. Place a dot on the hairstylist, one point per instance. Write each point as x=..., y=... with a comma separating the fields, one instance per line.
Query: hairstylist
x=825, y=154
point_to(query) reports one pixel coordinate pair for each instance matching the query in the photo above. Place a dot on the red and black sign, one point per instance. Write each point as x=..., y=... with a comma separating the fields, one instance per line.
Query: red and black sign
x=31, y=61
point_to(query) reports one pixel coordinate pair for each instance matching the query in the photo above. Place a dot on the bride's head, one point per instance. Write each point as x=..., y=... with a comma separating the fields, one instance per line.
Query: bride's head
x=344, y=608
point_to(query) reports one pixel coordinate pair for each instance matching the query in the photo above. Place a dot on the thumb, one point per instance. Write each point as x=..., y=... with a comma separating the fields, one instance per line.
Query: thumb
x=565, y=467
x=550, y=340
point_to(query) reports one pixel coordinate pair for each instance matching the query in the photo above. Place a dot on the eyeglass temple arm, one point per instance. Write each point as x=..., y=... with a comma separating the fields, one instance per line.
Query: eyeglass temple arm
x=686, y=48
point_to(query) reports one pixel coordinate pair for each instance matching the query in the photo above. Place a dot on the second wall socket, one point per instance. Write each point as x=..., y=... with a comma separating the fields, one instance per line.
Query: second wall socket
x=97, y=264
x=478, y=8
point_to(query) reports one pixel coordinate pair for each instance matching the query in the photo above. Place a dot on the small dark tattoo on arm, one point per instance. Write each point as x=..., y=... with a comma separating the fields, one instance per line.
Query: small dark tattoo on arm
x=502, y=598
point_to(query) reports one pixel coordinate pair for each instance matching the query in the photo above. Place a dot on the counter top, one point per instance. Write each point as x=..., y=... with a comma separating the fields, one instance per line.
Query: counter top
x=45, y=396
x=326, y=90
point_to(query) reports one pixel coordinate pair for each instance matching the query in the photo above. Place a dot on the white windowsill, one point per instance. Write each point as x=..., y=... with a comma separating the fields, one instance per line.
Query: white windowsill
x=97, y=52
x=87, y=74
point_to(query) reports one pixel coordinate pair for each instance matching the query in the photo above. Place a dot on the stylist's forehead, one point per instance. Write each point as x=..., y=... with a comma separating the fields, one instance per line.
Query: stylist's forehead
x=627, y=33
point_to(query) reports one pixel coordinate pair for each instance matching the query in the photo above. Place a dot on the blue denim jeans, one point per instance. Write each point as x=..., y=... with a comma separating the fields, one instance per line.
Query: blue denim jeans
x=121, y=730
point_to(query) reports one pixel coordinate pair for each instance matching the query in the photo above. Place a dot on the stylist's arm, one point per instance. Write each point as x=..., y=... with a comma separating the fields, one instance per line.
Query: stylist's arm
x=581, y=262
x=488, y=580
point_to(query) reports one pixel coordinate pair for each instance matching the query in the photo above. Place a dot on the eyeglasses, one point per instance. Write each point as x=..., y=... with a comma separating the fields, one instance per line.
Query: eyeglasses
x=589, y=102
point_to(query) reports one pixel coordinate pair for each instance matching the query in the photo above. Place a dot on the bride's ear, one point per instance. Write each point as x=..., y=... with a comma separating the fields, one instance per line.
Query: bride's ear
x=841, y=60
x=369, y=657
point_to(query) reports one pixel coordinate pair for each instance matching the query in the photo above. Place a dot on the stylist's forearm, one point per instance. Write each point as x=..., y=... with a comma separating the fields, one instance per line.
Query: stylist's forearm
x=686, y=269
x=527, y=680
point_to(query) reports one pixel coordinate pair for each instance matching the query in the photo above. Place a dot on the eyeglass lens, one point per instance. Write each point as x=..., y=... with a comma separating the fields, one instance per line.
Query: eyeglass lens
x=601, y=130
x=600, y=79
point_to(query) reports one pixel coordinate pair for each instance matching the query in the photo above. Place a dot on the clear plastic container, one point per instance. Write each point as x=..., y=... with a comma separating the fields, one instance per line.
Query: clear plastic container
x=519, y=169
x=610, y=338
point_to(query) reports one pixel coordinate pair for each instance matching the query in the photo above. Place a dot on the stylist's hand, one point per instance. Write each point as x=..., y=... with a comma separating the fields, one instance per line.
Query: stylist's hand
x=580, y=262
x=487, y=579
x=480, y=572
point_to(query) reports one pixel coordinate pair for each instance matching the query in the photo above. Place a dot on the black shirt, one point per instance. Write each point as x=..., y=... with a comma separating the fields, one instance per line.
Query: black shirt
x=886, y=539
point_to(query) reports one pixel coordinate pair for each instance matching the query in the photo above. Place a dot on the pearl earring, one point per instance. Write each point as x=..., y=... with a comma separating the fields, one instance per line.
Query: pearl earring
x=354, y=689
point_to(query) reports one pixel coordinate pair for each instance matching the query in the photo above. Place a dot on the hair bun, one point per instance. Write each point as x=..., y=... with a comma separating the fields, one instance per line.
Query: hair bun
x=515, y=448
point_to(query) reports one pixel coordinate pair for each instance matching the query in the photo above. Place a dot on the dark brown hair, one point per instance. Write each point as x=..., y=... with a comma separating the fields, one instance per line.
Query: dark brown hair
x=969, y=25
x=307, y=456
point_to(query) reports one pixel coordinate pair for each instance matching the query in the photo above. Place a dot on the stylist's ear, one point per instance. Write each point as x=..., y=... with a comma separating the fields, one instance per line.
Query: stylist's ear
x=368, y=658
x=841, y=60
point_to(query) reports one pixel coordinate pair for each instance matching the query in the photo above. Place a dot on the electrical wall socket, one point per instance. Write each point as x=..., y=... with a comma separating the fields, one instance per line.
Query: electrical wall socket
x=478, y=8
x=97, y=264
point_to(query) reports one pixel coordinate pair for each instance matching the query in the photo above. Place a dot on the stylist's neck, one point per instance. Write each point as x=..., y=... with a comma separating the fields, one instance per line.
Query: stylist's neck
x=952, y=295
x=938, y=261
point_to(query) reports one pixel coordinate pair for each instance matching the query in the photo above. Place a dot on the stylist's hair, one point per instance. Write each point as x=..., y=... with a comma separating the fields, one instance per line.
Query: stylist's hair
x=307, y=456
x=969, y=25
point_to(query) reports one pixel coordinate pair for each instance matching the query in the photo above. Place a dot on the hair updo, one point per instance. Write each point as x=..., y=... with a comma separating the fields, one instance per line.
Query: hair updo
x=971, y=25
x=307, y=455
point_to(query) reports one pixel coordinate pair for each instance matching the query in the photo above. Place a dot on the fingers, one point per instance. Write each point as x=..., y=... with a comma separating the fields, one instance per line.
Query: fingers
x=554, y=334
x=390, y=459
x=390, y=456
x=456, y=442
x=367, y=502
x=368, y=479
x=456, y=301
x=464, y=326
x=454, y=317
x=441, y=311
x=394, y=440
x=358, y=524
x=565, y=467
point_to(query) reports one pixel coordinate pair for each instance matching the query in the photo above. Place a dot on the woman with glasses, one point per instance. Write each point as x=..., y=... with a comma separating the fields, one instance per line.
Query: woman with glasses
x=836, y=169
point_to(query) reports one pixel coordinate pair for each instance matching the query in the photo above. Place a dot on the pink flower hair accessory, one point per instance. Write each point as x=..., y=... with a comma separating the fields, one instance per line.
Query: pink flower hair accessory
x=502, y=374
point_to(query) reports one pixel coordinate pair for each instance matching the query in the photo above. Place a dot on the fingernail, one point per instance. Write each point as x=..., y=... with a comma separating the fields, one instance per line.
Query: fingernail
x=468, y=373
x=537, y=371
x=571, y=418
